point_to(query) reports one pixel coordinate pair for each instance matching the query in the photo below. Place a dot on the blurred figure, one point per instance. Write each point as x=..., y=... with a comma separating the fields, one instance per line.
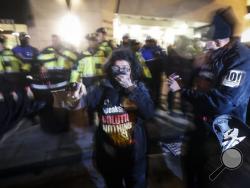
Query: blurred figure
x=154, y=57
x=228, y=65
x=89, y=67
x=126, y=41
x=177, y=63
x=25, y=51
x=202, y=77
x=56, y=42
x=52, y=73
x=14, y=106
x=104, y=44
x=12, y=75
x=135, y=47
x=55, y=64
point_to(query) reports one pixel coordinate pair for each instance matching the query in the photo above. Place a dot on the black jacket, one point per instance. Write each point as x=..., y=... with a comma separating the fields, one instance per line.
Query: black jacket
x=121, y=115
x=231, y=68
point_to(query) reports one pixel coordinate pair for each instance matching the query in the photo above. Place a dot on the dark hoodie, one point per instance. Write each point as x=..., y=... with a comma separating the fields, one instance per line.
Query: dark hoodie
x=121, y=114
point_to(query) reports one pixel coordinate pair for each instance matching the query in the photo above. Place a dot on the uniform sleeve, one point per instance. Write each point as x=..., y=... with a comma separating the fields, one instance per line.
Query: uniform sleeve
x=74, y=75
x=108, y=51
x=141, y=97
x=232, y=91
x=77, y=70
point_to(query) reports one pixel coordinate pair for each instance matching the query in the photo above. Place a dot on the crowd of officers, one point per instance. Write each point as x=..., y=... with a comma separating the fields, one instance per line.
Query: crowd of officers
x=57, y=65
x=51, y=68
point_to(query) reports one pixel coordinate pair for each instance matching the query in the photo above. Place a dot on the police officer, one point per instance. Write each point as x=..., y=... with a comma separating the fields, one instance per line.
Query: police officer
x=230, y=66
x=154, y=57
x=55, y=64
x=52, y=74
x=89, y=67
x=11, y=69
x=25, y=51
x=135, y=47
x=105, y=45
x=126, y=41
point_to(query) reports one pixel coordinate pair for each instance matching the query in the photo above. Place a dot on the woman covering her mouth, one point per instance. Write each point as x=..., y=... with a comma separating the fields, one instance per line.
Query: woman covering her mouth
x=122, y=103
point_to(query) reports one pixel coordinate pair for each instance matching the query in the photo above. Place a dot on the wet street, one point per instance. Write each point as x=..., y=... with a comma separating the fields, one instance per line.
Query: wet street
x=32, y=158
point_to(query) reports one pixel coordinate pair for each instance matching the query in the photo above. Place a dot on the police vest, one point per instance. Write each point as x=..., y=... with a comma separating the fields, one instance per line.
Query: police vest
x=106, y=48
x=58, y=66
x=9, y=63
x=146, y=71
x=90, y=65
x=54, y=60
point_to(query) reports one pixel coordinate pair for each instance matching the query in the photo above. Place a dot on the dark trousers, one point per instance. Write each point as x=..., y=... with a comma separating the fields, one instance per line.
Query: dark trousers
x=155, y=83
x=171, y=102
x=125, y=177
x=12, y=82
x=119, y=169
x=194, y=154
x=53, y=120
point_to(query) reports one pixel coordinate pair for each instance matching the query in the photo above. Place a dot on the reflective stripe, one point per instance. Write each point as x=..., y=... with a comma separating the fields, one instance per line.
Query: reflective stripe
x=1, y=97
x=11, y=71
x=55, y=68
x=90, y=76
x=46, y=57
x=57, y=60
x=50, y=86
x=151, y=59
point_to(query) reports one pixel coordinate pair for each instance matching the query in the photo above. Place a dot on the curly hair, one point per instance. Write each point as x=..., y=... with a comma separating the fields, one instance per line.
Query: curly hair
x=127, y=55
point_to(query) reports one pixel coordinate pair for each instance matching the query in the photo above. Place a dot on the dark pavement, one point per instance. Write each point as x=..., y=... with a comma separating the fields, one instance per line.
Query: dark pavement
x=32, y=158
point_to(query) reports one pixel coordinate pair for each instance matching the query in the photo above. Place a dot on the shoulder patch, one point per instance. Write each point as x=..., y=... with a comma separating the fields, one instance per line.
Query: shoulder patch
x=234, y=78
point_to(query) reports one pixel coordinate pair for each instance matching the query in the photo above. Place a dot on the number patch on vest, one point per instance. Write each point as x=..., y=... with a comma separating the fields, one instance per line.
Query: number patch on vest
x=234, y=78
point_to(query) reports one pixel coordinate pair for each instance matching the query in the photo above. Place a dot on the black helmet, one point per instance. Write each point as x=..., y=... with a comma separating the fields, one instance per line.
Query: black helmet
x=102, y=30
x=91, y=37
x=2, y=39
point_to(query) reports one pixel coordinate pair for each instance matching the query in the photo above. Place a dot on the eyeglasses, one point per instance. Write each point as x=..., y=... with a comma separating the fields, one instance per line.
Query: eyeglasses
x=122, y=69
x=117, y=70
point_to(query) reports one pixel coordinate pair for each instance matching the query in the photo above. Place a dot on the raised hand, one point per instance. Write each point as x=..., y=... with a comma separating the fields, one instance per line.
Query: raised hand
x=173, y=82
